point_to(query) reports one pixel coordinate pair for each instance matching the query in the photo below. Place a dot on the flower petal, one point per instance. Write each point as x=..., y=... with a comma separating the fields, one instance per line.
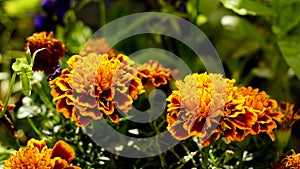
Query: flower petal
x=63, y=150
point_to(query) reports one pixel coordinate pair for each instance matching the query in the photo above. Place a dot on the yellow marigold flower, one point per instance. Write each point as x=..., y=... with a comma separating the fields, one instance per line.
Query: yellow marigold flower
x=47, y=59
x=98, y=46
x=196, y=108
x=37, y=155
x=153, y=73
x=199, y=100
x=62, y=91
x=248, y=111
x=287, y=161
x=285, y=124
x=289, y=116
x=96, y=86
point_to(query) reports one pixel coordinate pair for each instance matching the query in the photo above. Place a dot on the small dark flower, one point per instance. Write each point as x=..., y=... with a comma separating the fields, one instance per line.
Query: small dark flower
x=182, y=7
x=44, y=23
x=55, y=12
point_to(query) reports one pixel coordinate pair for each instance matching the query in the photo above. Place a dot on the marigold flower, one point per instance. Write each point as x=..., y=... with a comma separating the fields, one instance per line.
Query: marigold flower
x=47, y=59
x=289, y=116
x=248, y=111
x=153, y=73
x=96, y=86
x=287, y=161
x=199, y=100
x=196, y=108
x=37, y=155
x=285, y=124
x=98, y=46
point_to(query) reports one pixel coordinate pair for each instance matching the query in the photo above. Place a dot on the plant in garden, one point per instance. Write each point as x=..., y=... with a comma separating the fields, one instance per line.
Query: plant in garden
x=243, y=111
x=37, y=155
x=287, y=161
x=46, y=60
x=7, y=124
x=94, y=85
x=242, y=121
x=284, y=128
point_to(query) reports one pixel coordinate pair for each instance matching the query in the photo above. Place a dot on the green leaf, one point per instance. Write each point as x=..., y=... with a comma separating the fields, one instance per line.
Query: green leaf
x=263, y=72
x=247, y=7
x=290, y=50
x=26, y=86
x=288, y=18
x=246, y=48
x=190, y=8
x=20, y=7
x=242, y=26
x=74, y=34
x=22, y=68
x=28, y=56
x=207, y=7
x=7, y=137
x=21, y=64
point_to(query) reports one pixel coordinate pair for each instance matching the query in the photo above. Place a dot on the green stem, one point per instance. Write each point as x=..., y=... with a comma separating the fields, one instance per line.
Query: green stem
x=12, y=82
x=204, y=156
x=102, y=13
x=175, y=154
x=33, y=56
x=34, y=128
x=241, y=164
x=162, y=161
x=38, y=89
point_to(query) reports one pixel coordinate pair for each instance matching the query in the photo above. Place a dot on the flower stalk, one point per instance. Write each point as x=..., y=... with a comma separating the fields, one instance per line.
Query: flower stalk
x=11, y=84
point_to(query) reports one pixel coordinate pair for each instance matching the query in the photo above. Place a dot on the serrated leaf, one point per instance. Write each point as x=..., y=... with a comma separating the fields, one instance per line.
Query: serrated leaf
x=247, y=7
x=290, y=50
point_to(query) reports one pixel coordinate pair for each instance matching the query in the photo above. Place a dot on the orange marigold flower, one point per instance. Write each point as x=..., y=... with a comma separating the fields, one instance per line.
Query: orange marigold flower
x=287, y=161
x=200, y=99
x=96, y=86
x=153, y=73
x=285, y=124
x=37, y=155
x=248, y=111
x=98, y=46
x=196, y=108
x=289, y=116
x=47, y=59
